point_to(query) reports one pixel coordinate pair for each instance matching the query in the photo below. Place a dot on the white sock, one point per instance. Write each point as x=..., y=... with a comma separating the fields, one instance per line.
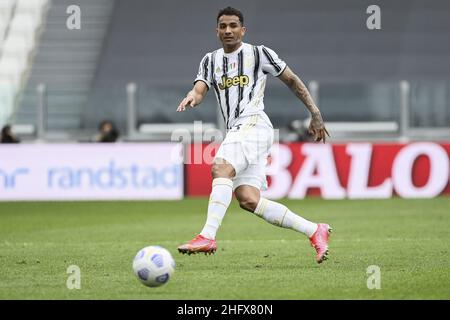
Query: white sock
x=279, y=215
x=220, y=199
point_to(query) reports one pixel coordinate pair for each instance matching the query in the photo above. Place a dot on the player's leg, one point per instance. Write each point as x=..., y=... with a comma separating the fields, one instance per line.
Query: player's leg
x=220, y=198
x=250, y=181
x=273, y=212
x=279, y=215
x=229, y=160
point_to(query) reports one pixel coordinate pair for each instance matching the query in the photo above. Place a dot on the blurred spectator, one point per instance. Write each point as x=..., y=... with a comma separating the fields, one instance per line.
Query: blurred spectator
x=107, y=132
x=299, y=132
x=7, y=135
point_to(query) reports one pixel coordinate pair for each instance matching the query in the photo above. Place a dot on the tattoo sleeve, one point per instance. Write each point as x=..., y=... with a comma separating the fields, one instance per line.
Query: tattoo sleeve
x=316, y=125
x=298, y=87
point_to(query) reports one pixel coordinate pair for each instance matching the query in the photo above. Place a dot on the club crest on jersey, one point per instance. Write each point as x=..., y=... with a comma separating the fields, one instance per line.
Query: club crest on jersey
x=234, y=81
x=232, y=66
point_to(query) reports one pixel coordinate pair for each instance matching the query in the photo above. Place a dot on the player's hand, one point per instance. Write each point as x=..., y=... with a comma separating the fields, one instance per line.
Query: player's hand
x=317, y=128
x=188, y=101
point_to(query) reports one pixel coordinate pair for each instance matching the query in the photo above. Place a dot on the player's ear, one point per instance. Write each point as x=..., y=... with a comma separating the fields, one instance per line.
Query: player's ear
x=243, y=30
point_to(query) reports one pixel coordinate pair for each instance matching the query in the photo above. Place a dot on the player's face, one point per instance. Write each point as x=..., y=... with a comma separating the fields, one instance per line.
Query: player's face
x=230, y=31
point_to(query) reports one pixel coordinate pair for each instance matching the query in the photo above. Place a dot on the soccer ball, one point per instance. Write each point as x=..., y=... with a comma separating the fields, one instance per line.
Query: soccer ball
x=153, y=266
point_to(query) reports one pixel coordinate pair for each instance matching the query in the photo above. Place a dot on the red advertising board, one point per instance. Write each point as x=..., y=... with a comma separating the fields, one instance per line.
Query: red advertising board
x=338, y=171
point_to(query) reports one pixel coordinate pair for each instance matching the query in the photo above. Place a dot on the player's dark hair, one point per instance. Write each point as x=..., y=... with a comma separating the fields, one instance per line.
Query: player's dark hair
x=229, y=11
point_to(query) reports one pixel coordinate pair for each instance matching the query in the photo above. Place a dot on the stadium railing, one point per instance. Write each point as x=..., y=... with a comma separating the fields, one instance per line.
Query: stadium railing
x=403, y=124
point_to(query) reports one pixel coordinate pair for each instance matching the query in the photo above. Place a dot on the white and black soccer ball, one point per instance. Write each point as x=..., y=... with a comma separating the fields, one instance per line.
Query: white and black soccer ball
x=153, y=266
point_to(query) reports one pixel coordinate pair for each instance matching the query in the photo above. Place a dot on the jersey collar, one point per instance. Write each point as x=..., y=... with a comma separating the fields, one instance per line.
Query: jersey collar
x=235, y=51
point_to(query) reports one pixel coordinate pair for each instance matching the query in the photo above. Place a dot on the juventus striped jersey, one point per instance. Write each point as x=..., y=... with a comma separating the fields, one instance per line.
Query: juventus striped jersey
x=239, y=79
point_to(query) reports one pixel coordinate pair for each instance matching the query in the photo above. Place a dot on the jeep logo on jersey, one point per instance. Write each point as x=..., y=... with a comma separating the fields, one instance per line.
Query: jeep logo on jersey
x=235, y=81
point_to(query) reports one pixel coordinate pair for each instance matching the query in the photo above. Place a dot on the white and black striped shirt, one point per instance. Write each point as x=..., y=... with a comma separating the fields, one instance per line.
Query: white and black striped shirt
x=239, y=79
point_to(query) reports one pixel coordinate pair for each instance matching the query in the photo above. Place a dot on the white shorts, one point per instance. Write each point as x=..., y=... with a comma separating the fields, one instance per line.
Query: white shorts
x=246, y=147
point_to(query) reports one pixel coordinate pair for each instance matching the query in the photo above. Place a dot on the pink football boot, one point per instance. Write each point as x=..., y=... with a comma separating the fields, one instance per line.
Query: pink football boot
x=319, y=241
x=197, y=245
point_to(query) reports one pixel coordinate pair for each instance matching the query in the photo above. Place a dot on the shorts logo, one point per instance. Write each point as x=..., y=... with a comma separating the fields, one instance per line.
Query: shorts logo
x=235, y=81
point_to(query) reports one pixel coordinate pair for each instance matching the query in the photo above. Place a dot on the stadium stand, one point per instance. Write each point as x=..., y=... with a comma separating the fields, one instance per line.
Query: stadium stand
x=357, y=72
x=66, y=62
x=19, y=28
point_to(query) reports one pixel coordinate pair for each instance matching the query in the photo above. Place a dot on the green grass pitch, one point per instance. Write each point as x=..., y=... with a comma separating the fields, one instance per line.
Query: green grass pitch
x=408, y=239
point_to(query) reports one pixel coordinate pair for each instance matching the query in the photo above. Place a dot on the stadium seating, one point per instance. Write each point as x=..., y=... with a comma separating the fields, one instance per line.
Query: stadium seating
x=66, y=61
x=357, y=71
x=20, y=22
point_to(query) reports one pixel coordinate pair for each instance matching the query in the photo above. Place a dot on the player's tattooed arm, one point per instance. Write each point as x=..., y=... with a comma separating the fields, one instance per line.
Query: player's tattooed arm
x=193, y=97
x=316, y=127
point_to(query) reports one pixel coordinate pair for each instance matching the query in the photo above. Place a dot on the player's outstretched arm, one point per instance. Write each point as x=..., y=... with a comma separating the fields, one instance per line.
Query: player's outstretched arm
x=316, y=127
x=193, y=97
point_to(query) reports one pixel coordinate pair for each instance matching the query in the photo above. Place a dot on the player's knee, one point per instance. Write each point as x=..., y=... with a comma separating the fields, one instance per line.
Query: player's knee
x=248, y=203
x=216, y=171
x=222, y=171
